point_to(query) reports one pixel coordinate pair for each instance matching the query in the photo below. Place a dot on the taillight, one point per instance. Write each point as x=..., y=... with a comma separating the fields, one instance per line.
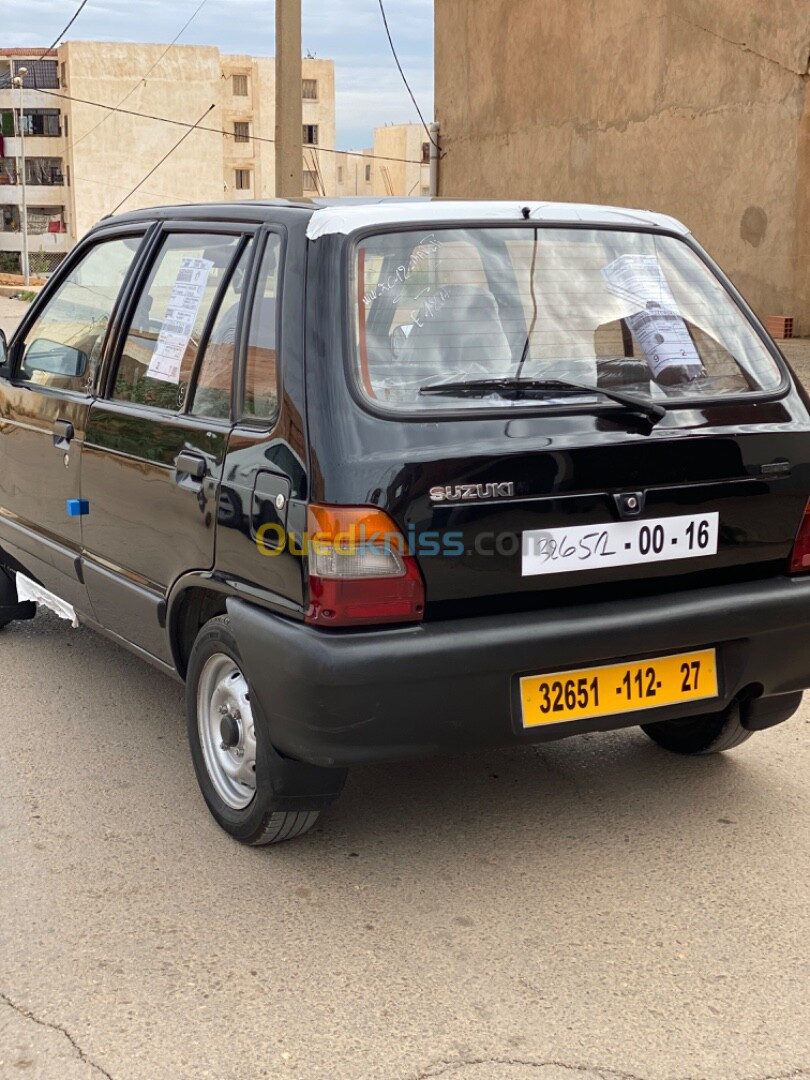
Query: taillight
x=360, y=569
x=800, y=555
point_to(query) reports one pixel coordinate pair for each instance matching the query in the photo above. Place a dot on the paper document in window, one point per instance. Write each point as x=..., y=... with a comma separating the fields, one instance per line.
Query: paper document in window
x=656, y=323
x=181, y=315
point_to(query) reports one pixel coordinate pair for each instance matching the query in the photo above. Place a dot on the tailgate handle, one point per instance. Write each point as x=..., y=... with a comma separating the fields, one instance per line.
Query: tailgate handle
x=62, y=433
x=192, y=465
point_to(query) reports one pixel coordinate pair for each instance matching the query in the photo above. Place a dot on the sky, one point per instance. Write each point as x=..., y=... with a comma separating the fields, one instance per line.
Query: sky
x=370, y=92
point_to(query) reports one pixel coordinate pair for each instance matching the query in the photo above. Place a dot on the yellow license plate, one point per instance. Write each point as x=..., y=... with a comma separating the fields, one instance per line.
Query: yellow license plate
x=618, y=688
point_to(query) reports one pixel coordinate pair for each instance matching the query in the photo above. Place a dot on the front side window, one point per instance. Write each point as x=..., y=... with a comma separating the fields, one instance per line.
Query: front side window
x=161, y=348
x=63, y=347
x=586, y=306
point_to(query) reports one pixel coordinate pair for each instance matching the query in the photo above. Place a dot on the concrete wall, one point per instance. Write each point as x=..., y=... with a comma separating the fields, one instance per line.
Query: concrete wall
x=109, y=153
x=699, y=109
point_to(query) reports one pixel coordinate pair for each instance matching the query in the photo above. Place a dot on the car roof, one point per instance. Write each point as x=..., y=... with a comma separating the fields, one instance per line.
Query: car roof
x=330, y=216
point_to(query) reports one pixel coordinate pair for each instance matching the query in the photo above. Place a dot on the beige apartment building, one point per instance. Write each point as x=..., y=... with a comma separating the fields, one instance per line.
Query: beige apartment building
x=397, y=164
x=82, y=160
x=697, y=109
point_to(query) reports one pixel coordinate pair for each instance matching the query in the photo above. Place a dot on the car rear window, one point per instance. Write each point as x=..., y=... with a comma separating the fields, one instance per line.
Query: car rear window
x=596, y=307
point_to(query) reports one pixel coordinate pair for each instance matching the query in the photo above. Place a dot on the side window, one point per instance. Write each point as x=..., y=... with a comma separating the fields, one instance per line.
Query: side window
x=261, y=386
x=159, y=354
x=63, y=347
x=212, y=392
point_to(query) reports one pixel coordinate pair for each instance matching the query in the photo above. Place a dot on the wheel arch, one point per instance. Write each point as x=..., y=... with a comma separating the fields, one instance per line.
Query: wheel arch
x=195, y=600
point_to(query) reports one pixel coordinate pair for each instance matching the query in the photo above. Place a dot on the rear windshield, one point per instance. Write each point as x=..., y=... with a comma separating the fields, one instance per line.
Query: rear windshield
x=633, y=312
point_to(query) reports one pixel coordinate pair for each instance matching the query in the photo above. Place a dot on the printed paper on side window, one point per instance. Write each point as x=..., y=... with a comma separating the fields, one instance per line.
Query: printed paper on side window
x=181, y=315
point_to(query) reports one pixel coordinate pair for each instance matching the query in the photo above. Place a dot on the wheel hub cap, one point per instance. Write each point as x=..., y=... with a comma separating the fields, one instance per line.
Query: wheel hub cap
x=227, y=731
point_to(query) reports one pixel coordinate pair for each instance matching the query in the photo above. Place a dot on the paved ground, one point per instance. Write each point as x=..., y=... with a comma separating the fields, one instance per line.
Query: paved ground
x=597, y=909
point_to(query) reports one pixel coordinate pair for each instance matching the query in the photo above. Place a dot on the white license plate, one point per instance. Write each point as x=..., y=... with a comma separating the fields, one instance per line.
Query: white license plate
x=622, y=543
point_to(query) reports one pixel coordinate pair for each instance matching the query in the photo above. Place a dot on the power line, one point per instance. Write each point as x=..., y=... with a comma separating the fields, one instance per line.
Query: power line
x=402, y=73
x=165, y=156
x=143, y=78
x=78, y=12
x=216, y=131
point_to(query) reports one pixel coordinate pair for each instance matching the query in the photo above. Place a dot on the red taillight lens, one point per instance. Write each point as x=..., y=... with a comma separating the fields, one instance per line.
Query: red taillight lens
x=360, y=570
x=800, y=555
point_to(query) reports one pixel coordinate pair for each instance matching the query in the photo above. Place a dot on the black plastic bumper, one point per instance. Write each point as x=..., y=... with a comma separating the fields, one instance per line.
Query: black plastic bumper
x=337, y=699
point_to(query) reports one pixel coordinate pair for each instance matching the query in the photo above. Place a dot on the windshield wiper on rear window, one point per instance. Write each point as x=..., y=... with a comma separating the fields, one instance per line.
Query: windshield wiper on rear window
x=520, y=389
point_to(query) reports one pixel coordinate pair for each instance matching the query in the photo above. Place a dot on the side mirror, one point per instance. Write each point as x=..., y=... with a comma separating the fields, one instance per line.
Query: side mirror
x=3, y=352
x=55, y=358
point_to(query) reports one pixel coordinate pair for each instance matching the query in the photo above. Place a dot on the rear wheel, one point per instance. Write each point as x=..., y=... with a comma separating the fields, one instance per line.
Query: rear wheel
x=229, y=744
x=707, y=734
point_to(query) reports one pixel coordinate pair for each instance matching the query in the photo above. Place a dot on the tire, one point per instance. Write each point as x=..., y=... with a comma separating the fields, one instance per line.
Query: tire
x=8, y=594
x=230, y=746
x=708, y=734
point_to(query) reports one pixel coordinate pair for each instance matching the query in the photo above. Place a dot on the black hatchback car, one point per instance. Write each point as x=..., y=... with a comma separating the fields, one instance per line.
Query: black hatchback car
x=385, y=479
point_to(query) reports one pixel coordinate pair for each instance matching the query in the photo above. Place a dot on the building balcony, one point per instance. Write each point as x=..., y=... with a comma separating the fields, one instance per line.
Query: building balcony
x=56, y=243
x=39, y=195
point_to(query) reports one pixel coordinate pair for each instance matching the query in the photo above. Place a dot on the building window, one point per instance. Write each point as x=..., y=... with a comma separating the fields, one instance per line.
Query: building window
x=65, y=126
x=9, y=219
x=368, y=174
x=241, y=131
x=46, y=219
x=40, y=74
x=310, y=134
x=309, y=89
x=63, y=77
x=8, y=170
x=340, y=174
x=41, y=122
x=425, y=153
x=44, y=172
x=240, y=85
x=244, y=180
x=310, y=180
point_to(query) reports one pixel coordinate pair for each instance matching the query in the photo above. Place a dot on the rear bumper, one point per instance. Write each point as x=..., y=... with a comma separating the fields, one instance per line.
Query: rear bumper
x=337, y=699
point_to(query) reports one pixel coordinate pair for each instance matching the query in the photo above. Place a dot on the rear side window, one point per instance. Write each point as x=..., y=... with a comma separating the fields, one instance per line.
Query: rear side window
x=63, y=347
x=591, y=306
x=161, y=349
x=261, y=377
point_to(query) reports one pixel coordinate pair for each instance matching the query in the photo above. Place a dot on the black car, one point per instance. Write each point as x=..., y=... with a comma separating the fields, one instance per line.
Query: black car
x=385, y=479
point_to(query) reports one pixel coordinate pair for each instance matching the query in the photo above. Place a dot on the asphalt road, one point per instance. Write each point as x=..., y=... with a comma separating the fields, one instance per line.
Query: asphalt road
x=595, y=909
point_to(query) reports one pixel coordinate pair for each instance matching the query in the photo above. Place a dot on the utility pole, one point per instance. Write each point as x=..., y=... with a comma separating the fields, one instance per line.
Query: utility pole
x=289, y=102
x=18, y=81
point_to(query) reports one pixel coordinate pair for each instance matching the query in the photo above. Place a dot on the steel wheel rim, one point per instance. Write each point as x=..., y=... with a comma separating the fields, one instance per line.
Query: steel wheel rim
x=227, y=731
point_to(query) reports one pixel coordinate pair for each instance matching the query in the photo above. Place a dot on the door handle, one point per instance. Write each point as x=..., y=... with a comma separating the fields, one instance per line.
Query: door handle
x=192, y=465
x=62, y=433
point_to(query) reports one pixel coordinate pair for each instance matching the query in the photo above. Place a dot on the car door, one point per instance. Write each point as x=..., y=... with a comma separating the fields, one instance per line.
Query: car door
x=53, y=366
x=156, y=441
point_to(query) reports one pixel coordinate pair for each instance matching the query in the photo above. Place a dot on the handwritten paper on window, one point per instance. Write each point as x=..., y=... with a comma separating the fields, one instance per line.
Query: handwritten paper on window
x=181, y=315
x=656, y=322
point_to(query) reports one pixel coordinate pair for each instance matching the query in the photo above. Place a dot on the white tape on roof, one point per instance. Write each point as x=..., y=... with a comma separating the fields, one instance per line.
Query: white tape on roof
x=345, y=218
